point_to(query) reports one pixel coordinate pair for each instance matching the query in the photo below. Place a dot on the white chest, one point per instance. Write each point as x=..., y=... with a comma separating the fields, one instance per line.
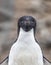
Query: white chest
x=25, y=55
x=25, y=51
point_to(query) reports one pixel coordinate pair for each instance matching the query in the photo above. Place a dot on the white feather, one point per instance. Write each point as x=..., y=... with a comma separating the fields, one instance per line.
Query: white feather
x=25, y=51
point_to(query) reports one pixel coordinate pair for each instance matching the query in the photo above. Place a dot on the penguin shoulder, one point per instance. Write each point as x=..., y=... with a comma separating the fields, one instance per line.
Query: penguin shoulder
x=14, y=47
x=37, y=47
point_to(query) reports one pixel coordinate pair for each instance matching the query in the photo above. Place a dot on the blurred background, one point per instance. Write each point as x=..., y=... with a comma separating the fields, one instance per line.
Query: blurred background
x=11, y=11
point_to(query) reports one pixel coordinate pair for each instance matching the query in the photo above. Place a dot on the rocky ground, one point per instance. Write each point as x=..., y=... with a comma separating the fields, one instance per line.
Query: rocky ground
x=40, y=10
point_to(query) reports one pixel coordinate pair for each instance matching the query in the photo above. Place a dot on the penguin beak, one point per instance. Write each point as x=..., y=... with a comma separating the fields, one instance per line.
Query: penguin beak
x=27, y=26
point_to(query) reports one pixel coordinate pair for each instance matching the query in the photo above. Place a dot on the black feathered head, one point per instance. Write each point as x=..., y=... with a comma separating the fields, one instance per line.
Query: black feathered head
x=27, y=23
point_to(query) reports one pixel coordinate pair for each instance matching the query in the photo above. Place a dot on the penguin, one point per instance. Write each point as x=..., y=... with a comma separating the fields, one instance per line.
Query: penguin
x=26, y=51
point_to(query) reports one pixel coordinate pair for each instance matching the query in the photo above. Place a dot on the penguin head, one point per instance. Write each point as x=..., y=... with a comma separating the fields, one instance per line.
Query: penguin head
x=27, y=23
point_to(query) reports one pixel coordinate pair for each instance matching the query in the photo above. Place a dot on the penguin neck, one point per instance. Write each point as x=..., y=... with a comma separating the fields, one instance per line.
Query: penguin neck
x=26, y=36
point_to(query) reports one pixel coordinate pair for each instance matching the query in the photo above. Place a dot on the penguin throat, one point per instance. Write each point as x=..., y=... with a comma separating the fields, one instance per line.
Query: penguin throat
x=26, y=36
